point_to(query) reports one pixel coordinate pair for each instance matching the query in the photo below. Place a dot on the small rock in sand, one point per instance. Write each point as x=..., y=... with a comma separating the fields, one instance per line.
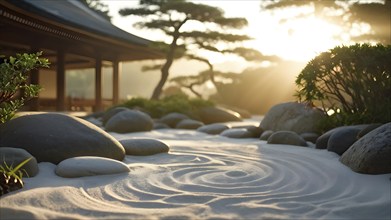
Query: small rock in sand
x=89, y=166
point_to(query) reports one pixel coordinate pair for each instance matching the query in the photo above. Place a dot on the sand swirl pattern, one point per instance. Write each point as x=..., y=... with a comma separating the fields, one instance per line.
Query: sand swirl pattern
x=209, y=177
x=267, y=183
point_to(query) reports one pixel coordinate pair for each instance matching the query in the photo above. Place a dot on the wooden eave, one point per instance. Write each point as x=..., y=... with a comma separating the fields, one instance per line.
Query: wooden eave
x=29, y=28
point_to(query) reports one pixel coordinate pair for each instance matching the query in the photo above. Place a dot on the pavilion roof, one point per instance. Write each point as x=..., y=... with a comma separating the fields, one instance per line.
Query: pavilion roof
x=76, y=14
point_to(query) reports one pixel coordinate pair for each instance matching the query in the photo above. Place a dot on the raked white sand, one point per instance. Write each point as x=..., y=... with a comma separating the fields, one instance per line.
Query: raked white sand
x=208, y=177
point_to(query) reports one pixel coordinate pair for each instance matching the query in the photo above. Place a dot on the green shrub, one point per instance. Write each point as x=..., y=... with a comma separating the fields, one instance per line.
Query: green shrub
x=14, y=74
x=352, y=81
x=174, y=103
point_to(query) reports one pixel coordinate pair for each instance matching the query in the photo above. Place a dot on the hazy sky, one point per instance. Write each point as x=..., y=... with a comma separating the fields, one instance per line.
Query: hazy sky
x=297, y=39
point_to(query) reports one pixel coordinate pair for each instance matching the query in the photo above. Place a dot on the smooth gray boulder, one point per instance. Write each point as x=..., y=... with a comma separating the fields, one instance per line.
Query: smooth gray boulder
x=371, y=154
x=209, y=115
x=90, y=166
x=144, y=146
x=53, y=137
x=292, y=116
x=286, y=137
x=12, y=157
x=342, y=139
x=189, y=124
x=237, y=133
x=128, y=121
x=215, y=128
x=159, y=125
x=173, y=118
x=110, y=113
x=322, y=141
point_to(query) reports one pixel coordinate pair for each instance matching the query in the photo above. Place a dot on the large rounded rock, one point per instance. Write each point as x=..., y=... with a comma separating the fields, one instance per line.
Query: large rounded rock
x=292, y=116
x=90, y=166
x=173, y=118
x=342, y=139
x=52, y=137
x=12, y=157
x=209, y=115
x=129, y=121
x=371, y=154
x=286, y=137
x=215, y=128
x=110, y=113
x=144, y=146
x=189, y=124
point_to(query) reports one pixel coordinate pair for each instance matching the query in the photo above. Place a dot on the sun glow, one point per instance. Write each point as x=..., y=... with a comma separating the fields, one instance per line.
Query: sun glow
x=309, y=37
x=299, y=39
x=294, y=38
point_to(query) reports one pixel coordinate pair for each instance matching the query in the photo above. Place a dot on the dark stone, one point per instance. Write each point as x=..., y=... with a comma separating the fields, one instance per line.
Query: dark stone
x=215, y=128
x=52, y=137
x=342, y=139
x=368, y=129
x=209, y=115
x=172, y=119
x=144, y=146
x=265, y=135
x=159, y=125
x=110, y=113
x=129, y=121
x=189, y=124
x=322, y=141
x=371, y=154
x=255, y=130
x=286, y=137
x=237, y=133
x=12, y=157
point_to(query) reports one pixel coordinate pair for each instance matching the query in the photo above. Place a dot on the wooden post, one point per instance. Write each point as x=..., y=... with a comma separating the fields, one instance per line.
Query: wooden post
x=116, y=82
x=60, y=81
x=98, y=85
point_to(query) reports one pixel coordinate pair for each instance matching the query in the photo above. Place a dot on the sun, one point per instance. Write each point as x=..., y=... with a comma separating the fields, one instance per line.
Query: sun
x=308, y=37
x=298, y=39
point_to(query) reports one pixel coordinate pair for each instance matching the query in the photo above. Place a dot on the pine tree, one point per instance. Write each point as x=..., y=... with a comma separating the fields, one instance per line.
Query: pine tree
x=170, y=16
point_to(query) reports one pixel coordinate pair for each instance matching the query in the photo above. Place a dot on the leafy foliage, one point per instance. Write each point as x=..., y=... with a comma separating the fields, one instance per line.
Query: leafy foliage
x=170, y=16
x=11, y=178
x=353, y=81
x=14, y=74
x=174, y=103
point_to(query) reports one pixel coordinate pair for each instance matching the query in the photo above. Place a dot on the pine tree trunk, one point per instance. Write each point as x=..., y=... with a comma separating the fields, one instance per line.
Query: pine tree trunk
x=164, y=76
x=165, y=69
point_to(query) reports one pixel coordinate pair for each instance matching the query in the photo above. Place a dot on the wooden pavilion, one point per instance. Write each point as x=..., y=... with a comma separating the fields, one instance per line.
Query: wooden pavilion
x=71, y=36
